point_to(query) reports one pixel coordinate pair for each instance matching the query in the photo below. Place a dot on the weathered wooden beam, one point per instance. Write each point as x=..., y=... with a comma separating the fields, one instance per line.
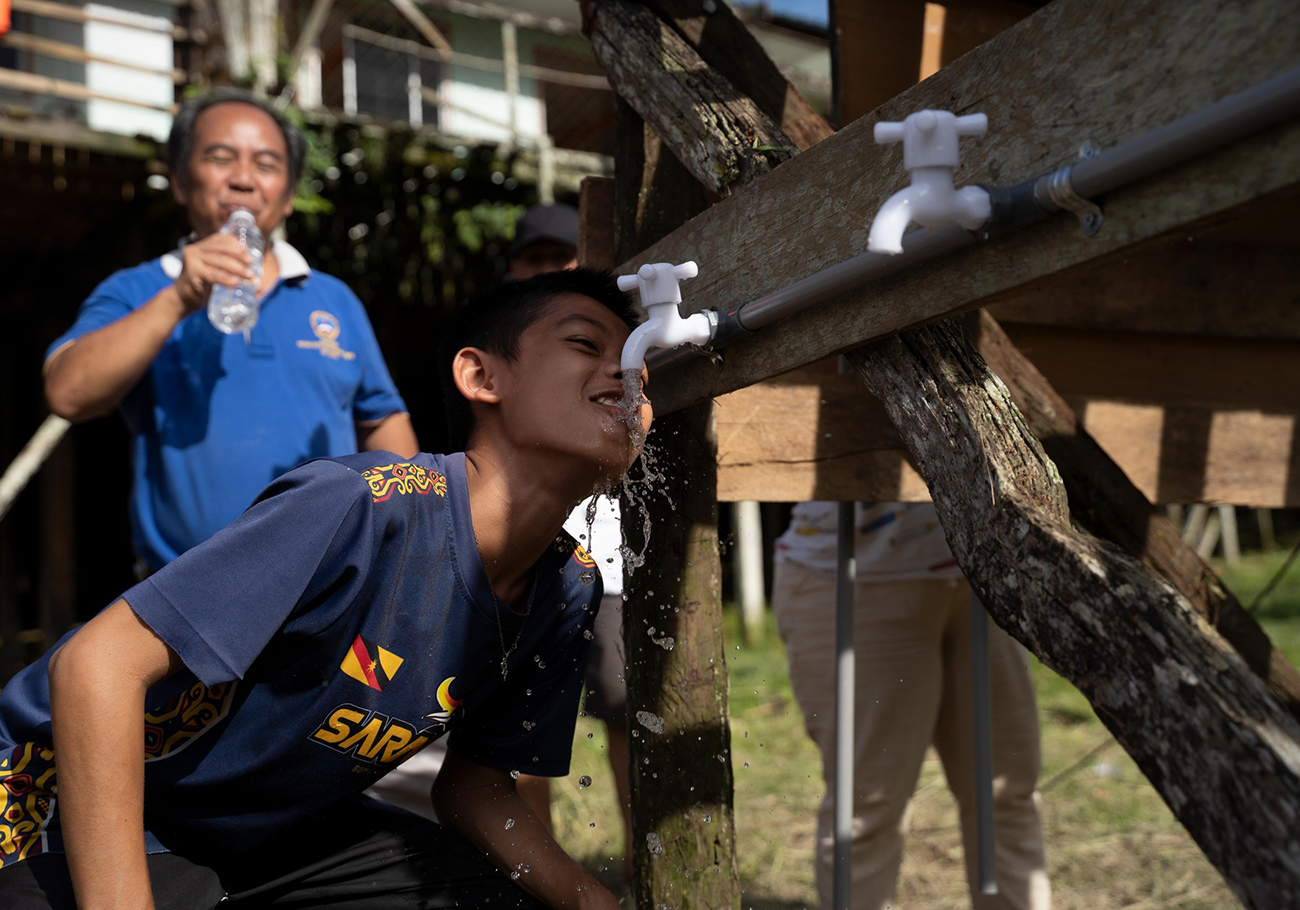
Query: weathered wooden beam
x=673, y=90
x=1104, y=500
x=729, y=48
x=799, y=437
x=815, y=210
x=1203, y=728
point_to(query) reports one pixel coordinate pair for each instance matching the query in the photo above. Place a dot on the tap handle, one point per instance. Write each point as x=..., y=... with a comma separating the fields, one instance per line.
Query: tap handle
x=887, y=132
x=973, y=125
x=658, y=282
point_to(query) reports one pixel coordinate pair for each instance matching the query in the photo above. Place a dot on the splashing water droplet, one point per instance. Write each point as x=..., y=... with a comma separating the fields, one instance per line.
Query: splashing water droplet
x=651, y=722
x=653, y=843
x=583, y=782
x=515, y=775
x=510, y=823
x=586, y=577
x=586, y=633
x=528, y=725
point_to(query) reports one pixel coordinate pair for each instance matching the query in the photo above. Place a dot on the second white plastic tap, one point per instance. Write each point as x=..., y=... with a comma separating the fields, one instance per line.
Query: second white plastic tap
x=930, y=153
x=660, y=286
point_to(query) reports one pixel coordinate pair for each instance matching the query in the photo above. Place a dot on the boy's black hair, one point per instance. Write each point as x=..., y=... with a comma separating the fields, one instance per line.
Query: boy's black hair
x=180, y=142
x=495, y=320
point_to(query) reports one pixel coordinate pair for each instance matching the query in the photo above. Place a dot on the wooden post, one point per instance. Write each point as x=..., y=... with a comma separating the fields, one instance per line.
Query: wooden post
x=683, y=821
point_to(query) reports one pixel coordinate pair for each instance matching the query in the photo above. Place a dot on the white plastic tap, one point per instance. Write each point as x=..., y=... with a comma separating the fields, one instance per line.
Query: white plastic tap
x=930, y=153
x=661, y=292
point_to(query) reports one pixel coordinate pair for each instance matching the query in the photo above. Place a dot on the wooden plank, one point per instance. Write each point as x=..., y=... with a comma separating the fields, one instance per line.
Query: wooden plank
x=596, y=223
x=817, y=437
x=814, y=211
x=1191, y=286
x=69, y=13
x=69, y=135
x=46, y=85
x=1166, y=370
x=63, y=51
x=423, y=24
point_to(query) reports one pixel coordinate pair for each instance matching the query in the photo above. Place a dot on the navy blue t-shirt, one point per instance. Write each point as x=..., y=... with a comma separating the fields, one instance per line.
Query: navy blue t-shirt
x=340, y=625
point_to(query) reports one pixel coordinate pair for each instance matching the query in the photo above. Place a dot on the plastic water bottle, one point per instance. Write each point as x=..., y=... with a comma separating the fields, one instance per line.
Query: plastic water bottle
x=234, y=310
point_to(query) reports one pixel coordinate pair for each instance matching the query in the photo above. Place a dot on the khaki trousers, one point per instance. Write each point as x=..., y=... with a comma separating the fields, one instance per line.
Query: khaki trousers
x=913, y=689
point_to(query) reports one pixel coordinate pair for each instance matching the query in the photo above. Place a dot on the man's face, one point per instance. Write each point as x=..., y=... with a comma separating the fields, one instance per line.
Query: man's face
x=239, y=160
x=543, y=256
x=564, y=390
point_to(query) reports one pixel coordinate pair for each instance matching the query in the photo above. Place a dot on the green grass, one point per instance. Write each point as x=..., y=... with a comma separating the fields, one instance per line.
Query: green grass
x=1111, y=841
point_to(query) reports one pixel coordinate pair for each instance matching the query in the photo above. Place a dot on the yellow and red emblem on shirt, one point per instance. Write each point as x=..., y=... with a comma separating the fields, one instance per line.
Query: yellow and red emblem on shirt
x=325, y=326
x=403, y=478
x=367, y=662
x=582, y=557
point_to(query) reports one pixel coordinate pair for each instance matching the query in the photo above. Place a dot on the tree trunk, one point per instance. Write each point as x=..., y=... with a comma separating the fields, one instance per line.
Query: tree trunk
x=1104, y=500
x=1203, y=728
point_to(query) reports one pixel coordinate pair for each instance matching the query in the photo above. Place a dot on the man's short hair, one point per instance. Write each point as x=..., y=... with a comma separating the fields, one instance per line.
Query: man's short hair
x=496, y=319
x=180, y=143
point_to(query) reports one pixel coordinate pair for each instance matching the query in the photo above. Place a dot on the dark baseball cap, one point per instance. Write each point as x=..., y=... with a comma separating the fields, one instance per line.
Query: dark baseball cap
x=557, y=222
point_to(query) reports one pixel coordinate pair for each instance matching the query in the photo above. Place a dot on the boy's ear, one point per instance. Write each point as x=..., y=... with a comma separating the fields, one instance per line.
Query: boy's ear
x=473, y=372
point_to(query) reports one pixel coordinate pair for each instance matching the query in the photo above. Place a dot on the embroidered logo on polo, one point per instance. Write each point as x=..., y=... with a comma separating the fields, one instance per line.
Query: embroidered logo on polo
x=387, y=480
x=367, y=662
x=174, y=726
x=325, y=326
x=27, y=788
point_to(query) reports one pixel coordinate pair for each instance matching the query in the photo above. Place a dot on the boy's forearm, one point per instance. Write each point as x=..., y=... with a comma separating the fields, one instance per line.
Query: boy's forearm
x=481, y=810
x=97, y=696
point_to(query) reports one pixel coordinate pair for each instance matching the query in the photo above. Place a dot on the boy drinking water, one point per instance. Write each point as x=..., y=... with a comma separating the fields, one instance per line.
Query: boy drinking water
x=213, y=730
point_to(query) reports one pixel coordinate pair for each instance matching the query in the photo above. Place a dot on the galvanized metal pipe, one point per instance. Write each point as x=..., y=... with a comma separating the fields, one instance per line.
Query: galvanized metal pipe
x=845, y=670
x=985, y=835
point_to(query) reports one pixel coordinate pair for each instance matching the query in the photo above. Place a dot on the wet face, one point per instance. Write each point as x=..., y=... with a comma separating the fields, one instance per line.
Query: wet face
x=564, y=390
x=239, y=160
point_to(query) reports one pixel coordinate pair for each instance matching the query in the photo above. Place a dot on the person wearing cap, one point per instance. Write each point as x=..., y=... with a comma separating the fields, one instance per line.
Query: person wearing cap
x=546, y=240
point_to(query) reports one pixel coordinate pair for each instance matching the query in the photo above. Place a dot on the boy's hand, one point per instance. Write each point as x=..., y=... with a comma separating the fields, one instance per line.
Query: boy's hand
x=478, y=802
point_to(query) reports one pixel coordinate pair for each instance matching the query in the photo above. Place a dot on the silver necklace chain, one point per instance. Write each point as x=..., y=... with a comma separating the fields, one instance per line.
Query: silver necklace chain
x=501, y=632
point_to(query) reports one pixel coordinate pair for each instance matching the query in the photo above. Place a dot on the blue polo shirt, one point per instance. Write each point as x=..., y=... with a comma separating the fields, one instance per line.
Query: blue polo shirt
x=339, y=626
x=216, y=418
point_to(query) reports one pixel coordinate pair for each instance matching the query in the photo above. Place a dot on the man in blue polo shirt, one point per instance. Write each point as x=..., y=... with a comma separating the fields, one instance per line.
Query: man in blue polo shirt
x=216, y=417
x=207, y=738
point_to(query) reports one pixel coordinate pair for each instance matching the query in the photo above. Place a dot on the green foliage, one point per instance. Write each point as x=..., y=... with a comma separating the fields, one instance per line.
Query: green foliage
x=414, y=228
